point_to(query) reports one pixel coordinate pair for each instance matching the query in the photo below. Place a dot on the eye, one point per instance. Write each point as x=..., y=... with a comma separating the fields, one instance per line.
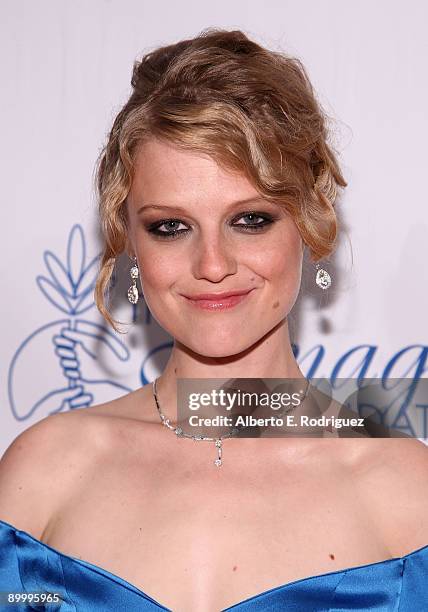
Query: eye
x=174, y=228
x=266, y=220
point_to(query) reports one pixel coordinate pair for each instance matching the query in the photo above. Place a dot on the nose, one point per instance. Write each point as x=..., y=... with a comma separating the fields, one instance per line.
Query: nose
x=214, y=258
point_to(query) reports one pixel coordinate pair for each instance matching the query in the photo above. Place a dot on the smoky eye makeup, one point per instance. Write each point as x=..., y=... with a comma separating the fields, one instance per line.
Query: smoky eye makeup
x=251, y=221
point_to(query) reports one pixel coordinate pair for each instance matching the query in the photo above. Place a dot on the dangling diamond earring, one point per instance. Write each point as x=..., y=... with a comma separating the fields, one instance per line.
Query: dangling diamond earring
x=323, y=278
x=133, y=291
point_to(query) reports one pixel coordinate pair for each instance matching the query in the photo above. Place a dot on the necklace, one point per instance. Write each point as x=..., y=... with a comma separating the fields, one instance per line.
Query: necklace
x=196, y=437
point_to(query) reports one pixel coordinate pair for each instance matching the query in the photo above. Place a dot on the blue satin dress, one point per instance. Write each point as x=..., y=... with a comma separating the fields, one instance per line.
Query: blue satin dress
x=29, y=565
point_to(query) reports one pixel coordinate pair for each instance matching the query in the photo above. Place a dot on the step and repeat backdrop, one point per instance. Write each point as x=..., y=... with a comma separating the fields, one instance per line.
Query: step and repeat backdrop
x=65, y=73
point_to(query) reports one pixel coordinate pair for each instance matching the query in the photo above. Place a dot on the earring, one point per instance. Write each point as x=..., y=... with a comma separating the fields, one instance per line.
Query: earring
x=133, y=291
x=323, y=278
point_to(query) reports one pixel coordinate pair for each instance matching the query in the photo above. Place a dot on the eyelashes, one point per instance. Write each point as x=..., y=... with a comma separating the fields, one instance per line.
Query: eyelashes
x=175, y=232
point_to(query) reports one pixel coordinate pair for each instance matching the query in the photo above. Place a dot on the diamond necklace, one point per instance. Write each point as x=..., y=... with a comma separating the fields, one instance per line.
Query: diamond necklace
x=196, y=437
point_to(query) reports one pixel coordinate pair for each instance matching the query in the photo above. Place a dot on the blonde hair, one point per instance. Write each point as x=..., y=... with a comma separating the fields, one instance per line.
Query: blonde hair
x=251, y=109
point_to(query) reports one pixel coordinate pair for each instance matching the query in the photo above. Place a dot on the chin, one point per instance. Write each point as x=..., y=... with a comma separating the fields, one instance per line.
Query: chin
x=217, y=349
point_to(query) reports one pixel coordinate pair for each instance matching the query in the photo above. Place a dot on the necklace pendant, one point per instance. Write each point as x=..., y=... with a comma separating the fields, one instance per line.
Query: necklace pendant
x=218, y=461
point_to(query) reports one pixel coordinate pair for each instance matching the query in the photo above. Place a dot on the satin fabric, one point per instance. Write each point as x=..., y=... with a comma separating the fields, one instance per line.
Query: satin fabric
x=29, y=565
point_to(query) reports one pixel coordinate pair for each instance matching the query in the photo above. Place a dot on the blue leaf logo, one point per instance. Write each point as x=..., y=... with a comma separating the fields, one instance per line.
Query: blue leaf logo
x=70, y=287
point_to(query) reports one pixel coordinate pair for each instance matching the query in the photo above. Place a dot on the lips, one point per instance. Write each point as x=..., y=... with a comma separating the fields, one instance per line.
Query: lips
x=219, y=301
x=217, y=296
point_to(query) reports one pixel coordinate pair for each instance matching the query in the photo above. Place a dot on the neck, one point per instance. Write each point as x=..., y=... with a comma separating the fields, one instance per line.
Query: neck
x=270, y=357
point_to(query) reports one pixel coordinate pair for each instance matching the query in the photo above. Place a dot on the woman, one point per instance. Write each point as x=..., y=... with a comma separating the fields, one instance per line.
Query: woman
x=216, y=175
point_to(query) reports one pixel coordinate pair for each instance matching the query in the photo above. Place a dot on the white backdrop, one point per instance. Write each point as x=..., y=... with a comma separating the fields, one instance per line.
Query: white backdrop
x=65, y=72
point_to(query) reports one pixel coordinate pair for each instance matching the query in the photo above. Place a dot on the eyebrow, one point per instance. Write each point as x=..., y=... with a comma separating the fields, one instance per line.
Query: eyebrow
x=181, y=209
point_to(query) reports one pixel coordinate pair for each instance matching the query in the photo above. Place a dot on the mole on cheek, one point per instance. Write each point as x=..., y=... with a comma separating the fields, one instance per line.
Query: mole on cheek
x=331, y=556
x=235, y=567
x=275, y=304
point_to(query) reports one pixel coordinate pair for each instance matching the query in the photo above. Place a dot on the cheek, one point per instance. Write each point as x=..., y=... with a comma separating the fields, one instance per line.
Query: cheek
x=158, y=272
x=281, y=262
x=281, y=268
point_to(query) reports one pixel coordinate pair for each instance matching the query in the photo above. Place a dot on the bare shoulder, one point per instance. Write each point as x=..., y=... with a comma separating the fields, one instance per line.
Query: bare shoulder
x=43, y=463
x=136, y=405
x=393, y=474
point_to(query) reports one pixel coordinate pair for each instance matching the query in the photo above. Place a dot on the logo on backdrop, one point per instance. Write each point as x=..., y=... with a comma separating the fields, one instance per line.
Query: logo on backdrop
x=67, y=369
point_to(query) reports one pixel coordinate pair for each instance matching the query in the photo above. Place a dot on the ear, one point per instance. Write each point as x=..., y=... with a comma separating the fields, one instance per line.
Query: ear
x=128, y=249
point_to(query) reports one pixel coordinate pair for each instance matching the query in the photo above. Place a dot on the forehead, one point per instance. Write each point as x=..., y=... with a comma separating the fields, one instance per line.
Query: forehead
x=164, y=170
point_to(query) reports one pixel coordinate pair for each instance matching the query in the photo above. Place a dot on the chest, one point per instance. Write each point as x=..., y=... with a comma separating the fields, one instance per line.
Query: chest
x=197, y=537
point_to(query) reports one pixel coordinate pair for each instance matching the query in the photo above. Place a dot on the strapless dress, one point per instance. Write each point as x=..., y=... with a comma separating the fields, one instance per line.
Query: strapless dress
x=29, y=565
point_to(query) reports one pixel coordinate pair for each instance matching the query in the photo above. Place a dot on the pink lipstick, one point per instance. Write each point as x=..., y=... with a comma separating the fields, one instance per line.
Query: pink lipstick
x=218, y=301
